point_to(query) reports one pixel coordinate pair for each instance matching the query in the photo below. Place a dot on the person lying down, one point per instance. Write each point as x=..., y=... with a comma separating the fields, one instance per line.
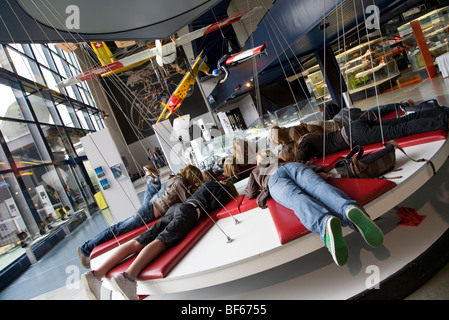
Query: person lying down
x=165, y=233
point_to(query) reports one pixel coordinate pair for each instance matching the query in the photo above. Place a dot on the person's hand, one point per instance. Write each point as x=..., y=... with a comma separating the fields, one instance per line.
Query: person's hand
x=324, y=175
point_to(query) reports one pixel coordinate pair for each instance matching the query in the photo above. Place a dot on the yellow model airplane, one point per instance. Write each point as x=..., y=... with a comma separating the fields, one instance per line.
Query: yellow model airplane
x=180, y=93
x=105, y=56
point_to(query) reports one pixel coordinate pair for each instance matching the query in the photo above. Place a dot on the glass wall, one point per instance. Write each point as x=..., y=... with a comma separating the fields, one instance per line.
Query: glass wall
x=436, y=31
x=43, y=176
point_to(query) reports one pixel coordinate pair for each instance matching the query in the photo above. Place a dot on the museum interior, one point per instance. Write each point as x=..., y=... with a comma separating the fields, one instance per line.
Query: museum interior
x=91, y=99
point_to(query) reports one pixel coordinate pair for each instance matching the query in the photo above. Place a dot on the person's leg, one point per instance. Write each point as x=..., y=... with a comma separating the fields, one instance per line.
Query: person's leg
x=350, y=212
x=152, y=188
x=368, y=132
x=385, y=109
x=315, y=216
x=151, y=251
x=312, y=214
x=123, y=251
x=111, y=232
x=334, y=199
x=92, y=279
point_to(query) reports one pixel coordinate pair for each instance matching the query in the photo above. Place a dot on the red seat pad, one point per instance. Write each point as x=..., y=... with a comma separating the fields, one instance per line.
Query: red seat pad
x=111, y=244
x=232, y=207
x=287, y=224
x=248, y=204
x=408, y=141
x=163, y=264
x=362, y=190
x=289, y=227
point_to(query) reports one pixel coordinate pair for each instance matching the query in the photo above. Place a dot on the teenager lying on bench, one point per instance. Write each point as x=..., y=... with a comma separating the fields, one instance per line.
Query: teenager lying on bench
x=177, y=190
x=168, y=231
x=321, y=208
x=366, y=132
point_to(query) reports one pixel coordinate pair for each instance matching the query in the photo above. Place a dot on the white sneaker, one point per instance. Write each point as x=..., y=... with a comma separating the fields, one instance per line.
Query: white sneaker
x=126, y=287
x=92, y=285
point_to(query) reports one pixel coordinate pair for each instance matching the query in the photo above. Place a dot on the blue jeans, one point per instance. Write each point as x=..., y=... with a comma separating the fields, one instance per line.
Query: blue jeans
x=144, y=215
x=153, y=186
x=313, y=200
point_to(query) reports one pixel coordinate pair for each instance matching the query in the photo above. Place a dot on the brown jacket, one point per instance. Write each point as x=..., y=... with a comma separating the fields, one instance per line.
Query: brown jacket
x=177, y=191
x=258, y=181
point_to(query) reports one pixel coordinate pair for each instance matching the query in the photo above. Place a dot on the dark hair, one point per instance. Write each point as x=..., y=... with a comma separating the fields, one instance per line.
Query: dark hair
x=289, y=151
x=209, y=175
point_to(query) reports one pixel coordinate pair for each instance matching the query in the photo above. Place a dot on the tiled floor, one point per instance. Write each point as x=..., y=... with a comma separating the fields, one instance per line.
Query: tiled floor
x=56, y=276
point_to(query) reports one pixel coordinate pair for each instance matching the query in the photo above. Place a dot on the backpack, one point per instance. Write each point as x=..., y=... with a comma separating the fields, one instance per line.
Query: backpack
x=371, y=165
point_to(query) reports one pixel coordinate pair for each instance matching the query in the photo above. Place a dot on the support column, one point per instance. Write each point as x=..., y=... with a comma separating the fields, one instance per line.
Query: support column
x=332, y=75
x=424, y=49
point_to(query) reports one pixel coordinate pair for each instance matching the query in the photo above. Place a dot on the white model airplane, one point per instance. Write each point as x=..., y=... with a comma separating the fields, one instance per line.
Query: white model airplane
x=164, y=53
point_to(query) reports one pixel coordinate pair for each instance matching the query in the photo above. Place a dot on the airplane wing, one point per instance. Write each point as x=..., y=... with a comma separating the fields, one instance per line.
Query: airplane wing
x=122, y=63
x=103, y=52
x=105, y=56
x=215, y=26
x=163, y=50
x=245, y=55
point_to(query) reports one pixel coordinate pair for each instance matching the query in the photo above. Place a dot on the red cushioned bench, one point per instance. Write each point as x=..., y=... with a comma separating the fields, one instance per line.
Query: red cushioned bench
x=108, y=245
x=160, y=267
x=289, y=227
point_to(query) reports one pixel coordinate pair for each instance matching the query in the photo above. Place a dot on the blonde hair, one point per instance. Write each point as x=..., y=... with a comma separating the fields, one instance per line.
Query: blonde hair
x=289, y=151
x=230, y=168
x=279, y=135
x=262, y=155
x=192, y=175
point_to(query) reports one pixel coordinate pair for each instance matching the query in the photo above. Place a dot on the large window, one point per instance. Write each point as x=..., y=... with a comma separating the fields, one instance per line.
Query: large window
x=40, y=131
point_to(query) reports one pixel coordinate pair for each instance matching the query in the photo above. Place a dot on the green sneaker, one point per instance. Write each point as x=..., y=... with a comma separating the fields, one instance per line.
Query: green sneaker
x=367, y=228
x=334, y=241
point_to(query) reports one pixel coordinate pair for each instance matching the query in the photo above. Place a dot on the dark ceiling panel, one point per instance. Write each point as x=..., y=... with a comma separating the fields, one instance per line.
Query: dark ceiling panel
x=114, y=19
x=292, y=28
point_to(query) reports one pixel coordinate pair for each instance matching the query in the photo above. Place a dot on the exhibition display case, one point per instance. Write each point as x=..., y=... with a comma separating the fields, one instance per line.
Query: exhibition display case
x=435, y=26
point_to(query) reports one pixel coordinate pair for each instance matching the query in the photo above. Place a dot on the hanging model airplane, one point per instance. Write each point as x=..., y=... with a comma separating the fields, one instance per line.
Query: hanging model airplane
x=237, y=58
x=180, y=93
x=105, y=56
x=164, y=53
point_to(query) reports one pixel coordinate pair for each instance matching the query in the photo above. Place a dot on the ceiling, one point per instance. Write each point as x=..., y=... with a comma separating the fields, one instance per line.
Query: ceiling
x=293, y=28
x=294, y=31
x=43, y=21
